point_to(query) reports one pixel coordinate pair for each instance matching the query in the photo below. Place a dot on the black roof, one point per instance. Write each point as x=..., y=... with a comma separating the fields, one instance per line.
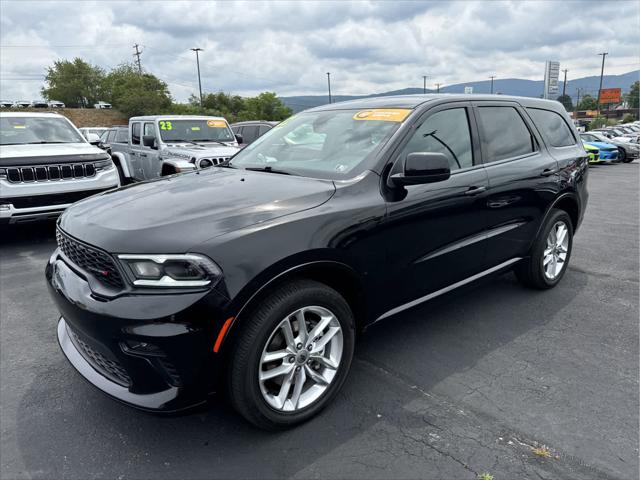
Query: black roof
x=413, y=101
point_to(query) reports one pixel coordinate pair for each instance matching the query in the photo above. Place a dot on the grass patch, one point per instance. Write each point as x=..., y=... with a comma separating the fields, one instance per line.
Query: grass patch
x=542, y=451
x=485, y=476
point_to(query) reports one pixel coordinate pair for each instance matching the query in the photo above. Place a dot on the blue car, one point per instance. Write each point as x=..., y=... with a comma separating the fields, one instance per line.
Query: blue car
x=608, y=152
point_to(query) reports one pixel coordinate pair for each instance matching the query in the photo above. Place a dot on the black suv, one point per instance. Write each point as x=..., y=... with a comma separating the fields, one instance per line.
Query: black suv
x=255, y=277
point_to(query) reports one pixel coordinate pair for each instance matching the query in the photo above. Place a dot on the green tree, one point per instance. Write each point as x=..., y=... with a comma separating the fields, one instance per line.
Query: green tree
x=136, y=94
x=588, y=103
x=632, y=96
x=565, y=100
x=267, y=106
x=76, y=83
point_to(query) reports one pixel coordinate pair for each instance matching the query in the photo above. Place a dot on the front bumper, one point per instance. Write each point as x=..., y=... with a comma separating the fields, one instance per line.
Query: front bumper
x=150, y=351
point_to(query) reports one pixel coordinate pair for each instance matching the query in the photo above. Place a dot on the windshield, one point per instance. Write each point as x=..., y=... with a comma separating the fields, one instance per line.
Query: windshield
x=21, y=130
x=213, y=130
x=327, y=144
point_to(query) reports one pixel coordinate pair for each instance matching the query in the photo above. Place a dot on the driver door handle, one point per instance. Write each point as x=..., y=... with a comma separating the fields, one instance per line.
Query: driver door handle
x=547, y=172
x=475, y=191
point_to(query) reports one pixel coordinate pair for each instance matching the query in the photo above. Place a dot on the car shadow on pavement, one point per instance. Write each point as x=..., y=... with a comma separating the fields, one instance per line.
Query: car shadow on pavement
x=66, y=428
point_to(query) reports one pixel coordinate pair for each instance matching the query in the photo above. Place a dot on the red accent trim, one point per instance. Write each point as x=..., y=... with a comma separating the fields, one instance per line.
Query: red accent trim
x=223, y=332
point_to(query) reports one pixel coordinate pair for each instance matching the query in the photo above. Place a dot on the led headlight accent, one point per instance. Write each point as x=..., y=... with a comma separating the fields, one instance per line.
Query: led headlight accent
x=188, y=270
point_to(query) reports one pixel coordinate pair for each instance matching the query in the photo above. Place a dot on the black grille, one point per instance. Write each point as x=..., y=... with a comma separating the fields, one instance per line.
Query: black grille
x=109, y=368
x=43, y=173
x=49, y=200
x=171, y=371
x=90, y=259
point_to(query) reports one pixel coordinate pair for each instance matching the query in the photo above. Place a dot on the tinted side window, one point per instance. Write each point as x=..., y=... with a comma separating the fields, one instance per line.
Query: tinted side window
x=504, y=133
x=553, y=127
x=112, y=136
x=122, y=136
x=264, y=129
x=444, y=132
x=135, y=134
x=250, y=133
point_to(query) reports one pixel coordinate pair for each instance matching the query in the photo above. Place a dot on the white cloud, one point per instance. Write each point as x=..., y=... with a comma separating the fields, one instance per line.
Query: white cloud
x=288, y=47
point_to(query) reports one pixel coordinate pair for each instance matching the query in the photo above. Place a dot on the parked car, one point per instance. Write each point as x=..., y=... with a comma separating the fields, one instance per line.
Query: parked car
x=255, y=277
x=39, y=104
x=248, y=132
x=101, y=105
x=46, y=165
x=92, y=130
x=56, y=104
x=607, y=152
x=22, y=104
x=592, y=152
x=163, y=145
x=627, y=151
x=6, y=104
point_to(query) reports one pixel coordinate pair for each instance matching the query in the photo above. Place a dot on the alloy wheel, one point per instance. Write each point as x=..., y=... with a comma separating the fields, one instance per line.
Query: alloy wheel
x=556, y=251
x=300, y=359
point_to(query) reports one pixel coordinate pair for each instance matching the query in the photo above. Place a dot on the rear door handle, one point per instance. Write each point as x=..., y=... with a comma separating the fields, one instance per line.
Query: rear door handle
x=475, y=190
x=547, y=172
x=142, y=154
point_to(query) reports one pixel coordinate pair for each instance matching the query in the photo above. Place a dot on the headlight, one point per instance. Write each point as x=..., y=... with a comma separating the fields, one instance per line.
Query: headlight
x=189, y=270
x=103, y=165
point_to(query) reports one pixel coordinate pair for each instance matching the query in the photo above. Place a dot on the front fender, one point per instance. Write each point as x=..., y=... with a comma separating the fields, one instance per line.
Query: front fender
x=124, y=164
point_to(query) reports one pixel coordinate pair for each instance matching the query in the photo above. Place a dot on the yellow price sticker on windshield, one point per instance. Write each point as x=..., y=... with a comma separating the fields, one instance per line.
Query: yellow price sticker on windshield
x=165, y=125
x=19, y=126
x=195, y=129
x=216, y=124
x=383, y=114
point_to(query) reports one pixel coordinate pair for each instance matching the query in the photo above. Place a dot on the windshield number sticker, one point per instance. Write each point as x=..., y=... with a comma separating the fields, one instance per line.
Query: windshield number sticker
x=216, y=124
x=165, y=125
x=383, y=114
x=195, y=129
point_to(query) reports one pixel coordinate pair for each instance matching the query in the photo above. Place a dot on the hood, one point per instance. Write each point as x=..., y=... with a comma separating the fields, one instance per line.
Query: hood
x=206, y=150
x=173, y=214
x=603, y=146
x=16, y=155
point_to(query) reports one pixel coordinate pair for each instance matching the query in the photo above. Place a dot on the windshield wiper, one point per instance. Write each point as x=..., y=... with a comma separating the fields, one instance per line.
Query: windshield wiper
x=186, y=141
x=41, y=142
x=213, y=141
x=267, y=169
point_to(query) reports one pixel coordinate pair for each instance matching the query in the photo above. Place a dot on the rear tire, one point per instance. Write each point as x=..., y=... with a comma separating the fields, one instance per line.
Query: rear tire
x=281, y=375
x=622, y=155
x=550, y=253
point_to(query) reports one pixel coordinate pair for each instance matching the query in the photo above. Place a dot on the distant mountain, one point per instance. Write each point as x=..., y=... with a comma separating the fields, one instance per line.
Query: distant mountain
x=507, y=86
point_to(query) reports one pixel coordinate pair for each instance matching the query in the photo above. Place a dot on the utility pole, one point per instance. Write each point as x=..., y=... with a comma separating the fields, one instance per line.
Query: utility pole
x=438, y=87
x=198, y=64
x=424, y=84
x=137, y=55
x=492, y=77
x=329, y=84
x=577, y=102
x=564, y=85
x=604, y=54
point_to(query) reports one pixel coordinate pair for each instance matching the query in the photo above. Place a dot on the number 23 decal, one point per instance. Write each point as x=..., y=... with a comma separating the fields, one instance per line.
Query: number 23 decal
x=164, y=125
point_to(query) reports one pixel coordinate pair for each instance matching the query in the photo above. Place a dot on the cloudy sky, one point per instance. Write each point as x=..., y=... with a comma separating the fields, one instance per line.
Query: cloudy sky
x=288, y=47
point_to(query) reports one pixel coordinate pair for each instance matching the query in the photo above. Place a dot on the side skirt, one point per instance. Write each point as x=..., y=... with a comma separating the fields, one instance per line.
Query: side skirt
x=444, y=290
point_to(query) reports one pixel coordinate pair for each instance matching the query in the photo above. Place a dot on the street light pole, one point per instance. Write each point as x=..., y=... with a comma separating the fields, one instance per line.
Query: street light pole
x=492, y=77
x=198, y=63
x=438, y=87
x=604, y=54
x=564, y=85
x=329, y=84
x=424, y=84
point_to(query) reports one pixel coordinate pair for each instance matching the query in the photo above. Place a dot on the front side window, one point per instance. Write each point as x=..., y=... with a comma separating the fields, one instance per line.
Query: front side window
x=585, y=137
x=333, y=144
x=249, y=133
x=25, y=130
x=445, y=132
x=203, y=130
x=553, y=127
x=504, y=133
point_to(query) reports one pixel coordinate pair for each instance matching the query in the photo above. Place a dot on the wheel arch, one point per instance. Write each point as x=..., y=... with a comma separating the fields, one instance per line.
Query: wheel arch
x=570, y=203
x=119, y=159
x=335, y=274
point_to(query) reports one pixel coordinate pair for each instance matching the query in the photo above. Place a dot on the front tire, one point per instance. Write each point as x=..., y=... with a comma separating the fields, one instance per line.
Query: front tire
x=292, y=355
x=622, y=155
x=550, y=254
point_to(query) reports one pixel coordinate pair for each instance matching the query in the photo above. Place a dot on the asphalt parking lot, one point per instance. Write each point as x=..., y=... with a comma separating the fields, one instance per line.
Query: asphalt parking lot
x=496, y=378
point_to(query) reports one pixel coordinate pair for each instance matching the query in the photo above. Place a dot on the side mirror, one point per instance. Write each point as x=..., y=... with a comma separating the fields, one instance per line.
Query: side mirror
x=423, y=167
x=93, y=138
x=239, y=138
x=149, y=141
